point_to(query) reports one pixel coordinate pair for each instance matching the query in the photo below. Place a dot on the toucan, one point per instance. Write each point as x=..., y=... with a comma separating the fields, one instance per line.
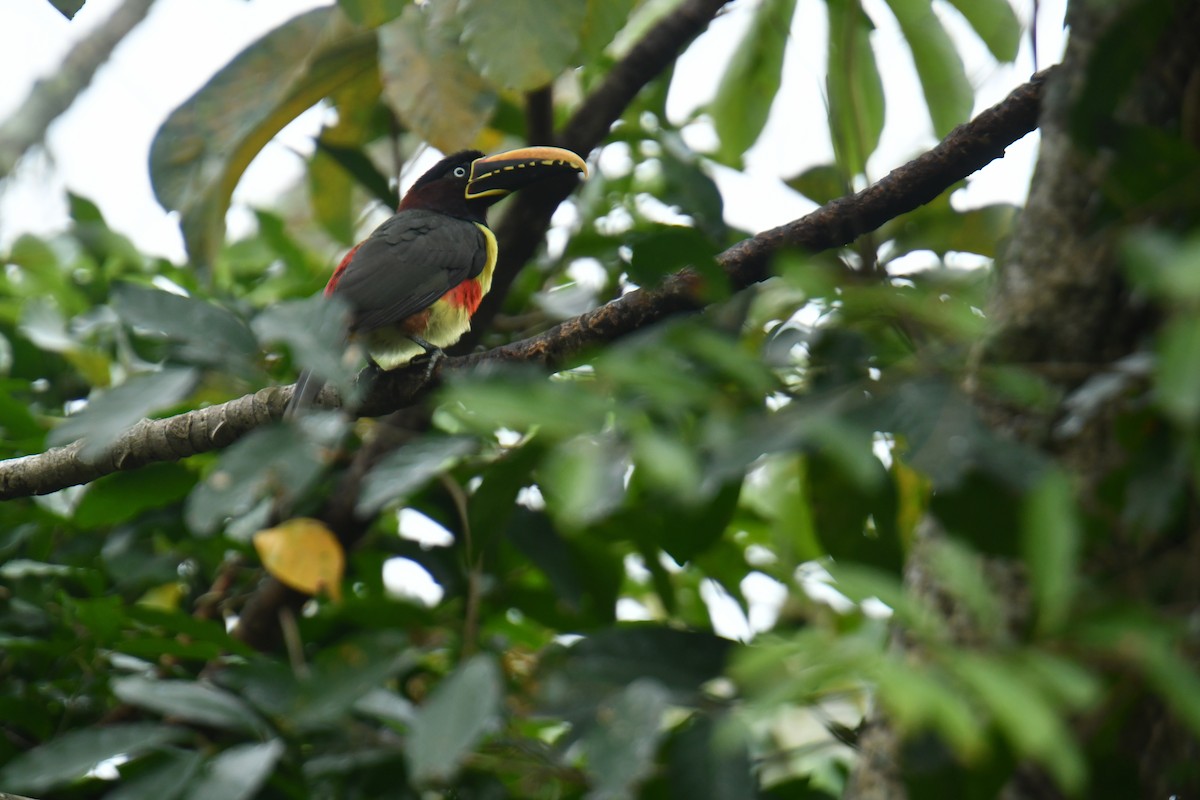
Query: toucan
x=414, y=283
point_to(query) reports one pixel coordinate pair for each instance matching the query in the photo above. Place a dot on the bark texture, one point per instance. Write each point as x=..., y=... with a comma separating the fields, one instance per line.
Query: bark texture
x=1062, y=307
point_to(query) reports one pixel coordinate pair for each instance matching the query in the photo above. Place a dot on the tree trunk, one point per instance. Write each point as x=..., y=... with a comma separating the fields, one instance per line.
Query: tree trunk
x=1062, y=308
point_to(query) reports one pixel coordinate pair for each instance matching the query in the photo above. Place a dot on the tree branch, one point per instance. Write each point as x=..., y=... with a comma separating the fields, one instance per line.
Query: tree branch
x=527, y=217
x=51, y=96
x=966, y=149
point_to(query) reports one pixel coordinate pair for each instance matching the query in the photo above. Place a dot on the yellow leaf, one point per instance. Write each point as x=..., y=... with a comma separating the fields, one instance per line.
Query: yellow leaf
x=305, y=555
x=165, y=597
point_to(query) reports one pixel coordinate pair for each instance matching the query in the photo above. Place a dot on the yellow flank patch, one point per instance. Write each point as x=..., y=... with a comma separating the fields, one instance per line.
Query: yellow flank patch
x=447, y=323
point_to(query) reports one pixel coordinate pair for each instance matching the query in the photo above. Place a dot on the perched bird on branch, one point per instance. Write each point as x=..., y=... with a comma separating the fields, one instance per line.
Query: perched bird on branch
x=414, y=283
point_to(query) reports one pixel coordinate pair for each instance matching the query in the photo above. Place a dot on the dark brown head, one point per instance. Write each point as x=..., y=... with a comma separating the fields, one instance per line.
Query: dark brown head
x=467, y=183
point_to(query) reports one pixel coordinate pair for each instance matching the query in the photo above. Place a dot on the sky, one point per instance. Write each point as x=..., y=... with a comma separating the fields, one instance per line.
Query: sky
x=99, y=149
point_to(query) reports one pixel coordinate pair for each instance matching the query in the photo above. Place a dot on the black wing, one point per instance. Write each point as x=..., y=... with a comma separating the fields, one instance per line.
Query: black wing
x=407, y=263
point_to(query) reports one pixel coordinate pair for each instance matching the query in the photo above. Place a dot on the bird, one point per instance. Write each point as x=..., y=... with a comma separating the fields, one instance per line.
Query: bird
x=412, y=285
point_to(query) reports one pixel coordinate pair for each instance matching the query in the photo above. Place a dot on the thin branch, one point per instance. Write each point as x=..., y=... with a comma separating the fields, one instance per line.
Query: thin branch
x=523, y=226
x=50, y=97
x=966, y=149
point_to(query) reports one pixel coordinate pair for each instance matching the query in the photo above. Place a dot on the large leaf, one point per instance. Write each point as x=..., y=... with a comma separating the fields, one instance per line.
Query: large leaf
x=620, y=746
x=124, y=495
x=948, y=93
x=939, y=227
x=856, y=104
x=163, y=779
x=575, y=679
x=110, y=414
x=751, y=80
x=521, y=44
x=461, y=710
x=344, y=675
x=373, y=13
x=996, y=24
x=409, y=468
x=68, y=8
x=1051, y=545
x=204, y=146
x=340, y=160
x=315, y=330
x=430, y=84
x=272, y=460
x=603, y=21
x=73, y=754
x=188, y=700
x=237, y=773
x=706, y=763
x=207, y=334
x=1177, y=370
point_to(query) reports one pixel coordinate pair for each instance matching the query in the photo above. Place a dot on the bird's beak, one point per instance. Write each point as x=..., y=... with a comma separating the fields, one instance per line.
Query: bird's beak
x=497, y=175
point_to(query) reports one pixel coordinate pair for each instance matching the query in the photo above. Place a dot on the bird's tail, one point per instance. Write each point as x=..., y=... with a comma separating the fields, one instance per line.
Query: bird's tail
x=308, y=386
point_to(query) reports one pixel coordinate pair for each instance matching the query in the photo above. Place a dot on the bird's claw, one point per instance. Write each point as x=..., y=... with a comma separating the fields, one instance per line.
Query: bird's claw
x=433, y=354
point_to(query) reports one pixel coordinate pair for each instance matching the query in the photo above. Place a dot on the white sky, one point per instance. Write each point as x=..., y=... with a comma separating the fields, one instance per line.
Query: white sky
x=99, y=148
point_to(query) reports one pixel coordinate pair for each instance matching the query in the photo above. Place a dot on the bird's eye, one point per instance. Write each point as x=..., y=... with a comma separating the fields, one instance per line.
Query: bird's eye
x=460, y=172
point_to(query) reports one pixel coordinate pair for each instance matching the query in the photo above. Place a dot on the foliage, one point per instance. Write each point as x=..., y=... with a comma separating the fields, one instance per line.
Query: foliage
x=775, y=460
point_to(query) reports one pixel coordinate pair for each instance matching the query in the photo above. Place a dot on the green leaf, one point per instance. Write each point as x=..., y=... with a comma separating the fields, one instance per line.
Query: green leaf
x=706, y=761
x=125, y=495
x=751, y=81
x=430, y=84
x=573, y=680
x=670, y=248
x=110, y=414
x=1026, y=718
x=856, y=101
x=841, y=505
x=584, y=479
x=459, y=712
x=68, y=8
x=687, y=185
x=189, y=700
x=208, y=335
x=995, y=22
x=921, y=697
x=938, y=227
x=604, y=19
x=1173, y=675
x=1177, y=369
x=1051, y=538
x=315, y=331
x=73, y=754
x=584, y=576
x=164, y=780
x=1132, y=36
x=201, y=151
x=1164, y=265
x=345, y=674
x=620, y=746
x=237, y=773
x=521, y=44
x=821, y=183
x=948, y=93
x=340, y=159
x=409, y=468
x=355, y=163
x=272, y=460
x=373, y=13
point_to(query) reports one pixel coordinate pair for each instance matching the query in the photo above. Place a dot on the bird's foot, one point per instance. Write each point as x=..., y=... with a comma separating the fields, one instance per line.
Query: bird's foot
x=432, y=355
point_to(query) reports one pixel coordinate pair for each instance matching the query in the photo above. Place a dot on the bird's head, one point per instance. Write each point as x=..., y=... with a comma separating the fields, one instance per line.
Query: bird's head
x=467, y=183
